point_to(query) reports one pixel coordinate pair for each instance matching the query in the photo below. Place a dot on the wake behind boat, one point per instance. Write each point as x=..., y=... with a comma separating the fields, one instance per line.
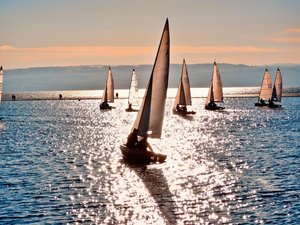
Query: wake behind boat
x=183, y=96
x=108, y=93
x=149, y=120
x=215, y=93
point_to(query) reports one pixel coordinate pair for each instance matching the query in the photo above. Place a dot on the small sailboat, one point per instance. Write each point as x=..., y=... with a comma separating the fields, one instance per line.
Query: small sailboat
x=1, y=82
x=183, y=96
x=215, y=93
x=108, y=93
x=277, y=90
x=149, y=119
x=133, y=97
x=265, y=90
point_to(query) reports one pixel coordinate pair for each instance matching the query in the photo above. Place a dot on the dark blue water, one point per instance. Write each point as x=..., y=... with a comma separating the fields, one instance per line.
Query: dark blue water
x=60, y=163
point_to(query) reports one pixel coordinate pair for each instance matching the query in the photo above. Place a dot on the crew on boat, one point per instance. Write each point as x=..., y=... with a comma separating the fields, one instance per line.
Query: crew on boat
x=104, y=104
x=130, y=106
x=181, y=108
x=212, y=104
x=271, y=103
x=133, y=142
x=262, y=102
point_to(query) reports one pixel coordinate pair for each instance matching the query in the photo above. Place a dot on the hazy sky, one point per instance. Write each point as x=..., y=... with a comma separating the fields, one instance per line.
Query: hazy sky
x=108, y=32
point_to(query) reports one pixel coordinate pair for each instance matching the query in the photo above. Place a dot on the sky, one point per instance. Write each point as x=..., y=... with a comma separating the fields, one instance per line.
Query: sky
x=38, y=33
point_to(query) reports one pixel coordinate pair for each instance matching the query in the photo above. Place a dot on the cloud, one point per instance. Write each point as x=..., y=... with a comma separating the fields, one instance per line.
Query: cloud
x=223, y=49
x=75, y=55
x=291, y=30
x=121, y=51
x=14, y=57
x=285, y=39
x=89, y=50
x=7, y=48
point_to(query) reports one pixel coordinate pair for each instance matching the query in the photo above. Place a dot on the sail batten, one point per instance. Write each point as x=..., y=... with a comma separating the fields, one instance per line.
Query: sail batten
x=149, y=119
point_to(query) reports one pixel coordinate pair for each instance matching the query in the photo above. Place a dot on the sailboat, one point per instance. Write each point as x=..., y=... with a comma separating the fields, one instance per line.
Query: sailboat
x=215, y=93
x=265, y=90
x=149, y=119
x=1, y=82
x=277, y=90
x=133, y=93
x=108, y=93
x=183, y=96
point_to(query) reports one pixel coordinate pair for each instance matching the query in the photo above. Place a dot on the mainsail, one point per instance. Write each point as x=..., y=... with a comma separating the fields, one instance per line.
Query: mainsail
x=1, y=81
x=215, y=93
x=108, y=93
x=183, y=96
x=266, y=87
x=133, y=90
x=150, y=117
x=277, y=88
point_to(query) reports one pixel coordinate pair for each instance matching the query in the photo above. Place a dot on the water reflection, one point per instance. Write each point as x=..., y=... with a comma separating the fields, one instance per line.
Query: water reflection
x=157, y=185
x=61, y=163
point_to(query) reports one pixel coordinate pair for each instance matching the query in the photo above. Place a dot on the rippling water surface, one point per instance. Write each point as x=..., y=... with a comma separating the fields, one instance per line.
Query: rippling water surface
x=60, y=163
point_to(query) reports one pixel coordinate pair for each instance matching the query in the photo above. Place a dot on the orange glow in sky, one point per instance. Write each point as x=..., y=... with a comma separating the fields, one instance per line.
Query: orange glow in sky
x=43, y=33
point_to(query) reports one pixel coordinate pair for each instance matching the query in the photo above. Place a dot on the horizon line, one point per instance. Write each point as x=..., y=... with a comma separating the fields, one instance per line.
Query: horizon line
x=136, y=65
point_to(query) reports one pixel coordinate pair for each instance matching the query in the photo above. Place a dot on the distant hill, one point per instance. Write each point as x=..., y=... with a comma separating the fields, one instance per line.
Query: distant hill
x=93, y=77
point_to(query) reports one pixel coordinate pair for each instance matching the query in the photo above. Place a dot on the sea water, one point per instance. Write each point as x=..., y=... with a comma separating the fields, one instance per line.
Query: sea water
x=60, y=163
x=122, y=93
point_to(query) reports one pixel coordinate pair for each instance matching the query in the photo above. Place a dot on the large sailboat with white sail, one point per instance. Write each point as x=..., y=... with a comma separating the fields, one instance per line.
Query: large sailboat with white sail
x=133, y=97
x=277, y=90
x=265, y=93
x=149, y=119
x=108, y=93
x=215, y=92
x=183, y=96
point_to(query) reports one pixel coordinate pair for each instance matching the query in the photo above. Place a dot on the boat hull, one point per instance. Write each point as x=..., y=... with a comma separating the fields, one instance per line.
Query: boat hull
x=207, y=107
x=184, y=112
x=131, y=110
x=260, y=104
x=141, y=156
x=274, y=106
x=105, y=107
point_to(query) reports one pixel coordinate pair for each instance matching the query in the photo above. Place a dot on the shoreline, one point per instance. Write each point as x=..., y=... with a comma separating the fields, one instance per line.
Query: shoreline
x=121, y=98
x=228, y=92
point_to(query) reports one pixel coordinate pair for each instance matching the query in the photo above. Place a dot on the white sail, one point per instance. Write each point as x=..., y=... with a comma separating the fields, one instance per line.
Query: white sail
x=183, y=96
x=277, y=88
x=149, y=119
x=1, y=82
x=217, y=84
x=133, y=90
x=266, y=87
x=108, y=93
x=215, y=93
